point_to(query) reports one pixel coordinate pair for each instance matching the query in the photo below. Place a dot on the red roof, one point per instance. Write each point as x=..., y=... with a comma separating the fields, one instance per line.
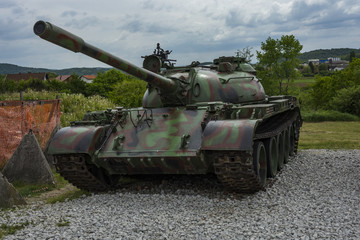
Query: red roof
x=26, y=76
x=89, y=77
x=63, y=78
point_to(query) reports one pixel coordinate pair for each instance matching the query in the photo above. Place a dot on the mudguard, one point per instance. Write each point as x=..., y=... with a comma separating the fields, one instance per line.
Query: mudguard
x=76, y=139
x=229, y=135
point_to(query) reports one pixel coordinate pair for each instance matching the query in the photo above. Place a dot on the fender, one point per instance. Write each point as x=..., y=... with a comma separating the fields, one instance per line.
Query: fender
x=76, y=139
x=229, y=135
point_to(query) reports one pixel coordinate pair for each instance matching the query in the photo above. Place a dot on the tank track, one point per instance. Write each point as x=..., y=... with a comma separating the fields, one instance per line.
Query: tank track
x=74, y=169
x=235, y=170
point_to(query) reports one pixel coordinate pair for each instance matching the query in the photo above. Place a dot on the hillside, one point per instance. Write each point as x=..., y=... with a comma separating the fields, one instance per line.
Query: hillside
x=6, y=68
x=343, y=53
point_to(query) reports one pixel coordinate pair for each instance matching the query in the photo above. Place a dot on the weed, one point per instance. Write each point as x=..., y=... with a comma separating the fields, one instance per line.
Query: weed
x=63, y=223
x=31, y=190
x=8, y=229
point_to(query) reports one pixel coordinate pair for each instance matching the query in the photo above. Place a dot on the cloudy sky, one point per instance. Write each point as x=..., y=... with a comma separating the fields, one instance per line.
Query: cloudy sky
x=193, y=29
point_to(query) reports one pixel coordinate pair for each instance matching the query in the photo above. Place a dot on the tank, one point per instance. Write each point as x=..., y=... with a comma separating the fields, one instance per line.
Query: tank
x=210, y=118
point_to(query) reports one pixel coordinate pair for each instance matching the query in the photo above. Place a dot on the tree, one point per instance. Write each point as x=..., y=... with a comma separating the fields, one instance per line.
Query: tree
x=352, y=56
x=278, y=61
x=128, y=93
x=105, y=82
x=326, y=88
x=323, y=69
x=311, y=65
x=245, y=53
x=76, y=85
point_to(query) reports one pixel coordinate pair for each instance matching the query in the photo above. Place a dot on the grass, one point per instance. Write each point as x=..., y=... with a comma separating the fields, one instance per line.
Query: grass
x=330, y=135
x=328, y=115
x=70, y=195
x=32, y=190
x=63, y=223
x=303, y=81
x=11, y=229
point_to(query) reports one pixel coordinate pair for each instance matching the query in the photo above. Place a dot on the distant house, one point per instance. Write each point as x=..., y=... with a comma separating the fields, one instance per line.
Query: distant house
x=64, y=78
x=334, y=63
x=338, y=65
x=314, y=61
x=26, y=76
x=88, y=78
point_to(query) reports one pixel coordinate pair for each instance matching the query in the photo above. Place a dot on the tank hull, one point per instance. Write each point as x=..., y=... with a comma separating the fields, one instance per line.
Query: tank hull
x=181, y=140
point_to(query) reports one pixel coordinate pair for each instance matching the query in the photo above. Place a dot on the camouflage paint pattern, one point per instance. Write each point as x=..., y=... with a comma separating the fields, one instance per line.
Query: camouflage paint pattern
x=229, y=135
x=161, y=135
x=74, y=43
x=236, y=87
x=79, y=139
x=188, y=114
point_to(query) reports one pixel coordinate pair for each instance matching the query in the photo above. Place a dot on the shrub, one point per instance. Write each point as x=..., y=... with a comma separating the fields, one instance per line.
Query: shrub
x=73, y=106
x=347, y=100
x=322, y=115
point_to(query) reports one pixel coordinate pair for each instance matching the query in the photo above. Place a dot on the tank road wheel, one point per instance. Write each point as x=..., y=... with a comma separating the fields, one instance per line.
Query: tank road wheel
x=286, y=145
x=259, y=161
x=272, y=156
x=281, y=149
x=292, y=140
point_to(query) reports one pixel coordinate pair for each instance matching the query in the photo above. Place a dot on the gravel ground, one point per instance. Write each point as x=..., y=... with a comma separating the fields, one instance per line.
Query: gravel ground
x=316, y=196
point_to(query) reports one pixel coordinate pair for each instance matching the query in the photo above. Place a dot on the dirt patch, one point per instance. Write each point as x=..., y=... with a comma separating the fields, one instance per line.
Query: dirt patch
x=47, y=195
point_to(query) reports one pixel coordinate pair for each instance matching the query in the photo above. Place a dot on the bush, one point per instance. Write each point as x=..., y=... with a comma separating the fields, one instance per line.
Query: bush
x=347, y=100
x=128, y=93
x=73, y=106
x=322, y=115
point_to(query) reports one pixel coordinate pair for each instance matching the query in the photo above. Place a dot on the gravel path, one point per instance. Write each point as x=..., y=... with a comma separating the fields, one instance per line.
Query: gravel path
x=316, y=196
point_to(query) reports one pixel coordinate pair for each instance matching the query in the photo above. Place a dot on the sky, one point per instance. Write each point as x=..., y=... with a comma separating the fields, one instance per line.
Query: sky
x=195, y=30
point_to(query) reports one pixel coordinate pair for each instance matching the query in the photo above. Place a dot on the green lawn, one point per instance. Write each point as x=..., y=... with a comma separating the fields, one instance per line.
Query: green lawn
x=330, y=135
x=303, y=81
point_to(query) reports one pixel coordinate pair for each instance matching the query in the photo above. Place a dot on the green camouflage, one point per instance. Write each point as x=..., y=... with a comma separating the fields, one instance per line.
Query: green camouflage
x=195, y=119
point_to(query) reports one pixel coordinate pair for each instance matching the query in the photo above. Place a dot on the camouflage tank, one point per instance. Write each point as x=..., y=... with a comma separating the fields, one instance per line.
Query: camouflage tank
x=196, y=119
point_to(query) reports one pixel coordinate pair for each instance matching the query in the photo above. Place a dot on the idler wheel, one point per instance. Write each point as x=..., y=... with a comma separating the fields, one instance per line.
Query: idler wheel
x=271, y=148
x=260, y=164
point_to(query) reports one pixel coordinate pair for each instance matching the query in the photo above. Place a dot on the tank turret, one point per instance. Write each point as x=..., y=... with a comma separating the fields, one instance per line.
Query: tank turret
x=228, y=79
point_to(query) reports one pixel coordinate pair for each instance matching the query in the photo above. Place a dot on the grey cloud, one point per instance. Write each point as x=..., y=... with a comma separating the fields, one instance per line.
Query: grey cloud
x=82, y=22
x=69, y=14
x=7, y=3
x=134, y=25
x=14, y=29
x=325, y=15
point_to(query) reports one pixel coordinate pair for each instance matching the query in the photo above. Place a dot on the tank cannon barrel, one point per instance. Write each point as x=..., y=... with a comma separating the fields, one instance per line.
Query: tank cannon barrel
x=65, y=39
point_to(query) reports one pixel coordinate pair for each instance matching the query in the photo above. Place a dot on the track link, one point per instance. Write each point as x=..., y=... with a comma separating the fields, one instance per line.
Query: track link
x=73, y=168
x=235, y=170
